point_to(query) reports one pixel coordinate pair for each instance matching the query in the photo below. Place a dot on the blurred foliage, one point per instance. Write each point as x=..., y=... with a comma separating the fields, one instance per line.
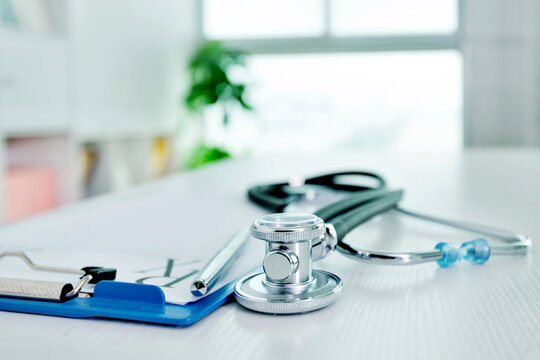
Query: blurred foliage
x=210, y=82
x=204, y=155
x=209, y=68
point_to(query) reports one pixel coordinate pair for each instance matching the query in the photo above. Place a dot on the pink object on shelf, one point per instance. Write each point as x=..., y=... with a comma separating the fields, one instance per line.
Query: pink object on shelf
x=28, y=191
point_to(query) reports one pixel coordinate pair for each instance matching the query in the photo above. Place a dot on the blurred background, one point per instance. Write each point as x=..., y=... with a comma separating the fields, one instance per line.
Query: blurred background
x=97, y=96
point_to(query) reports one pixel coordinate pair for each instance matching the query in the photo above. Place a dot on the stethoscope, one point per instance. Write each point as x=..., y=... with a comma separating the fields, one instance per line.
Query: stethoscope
x=288, y=284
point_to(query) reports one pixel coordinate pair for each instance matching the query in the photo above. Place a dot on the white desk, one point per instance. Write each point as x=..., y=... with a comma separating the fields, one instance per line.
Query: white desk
x=468, y=312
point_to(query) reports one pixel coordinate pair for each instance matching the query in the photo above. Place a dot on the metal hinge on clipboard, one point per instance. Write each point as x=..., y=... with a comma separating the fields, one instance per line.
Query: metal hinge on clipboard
x=48, y=290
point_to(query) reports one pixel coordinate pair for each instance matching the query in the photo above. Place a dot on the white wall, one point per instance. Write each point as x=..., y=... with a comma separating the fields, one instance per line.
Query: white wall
x=129, y=63
x=501, y=44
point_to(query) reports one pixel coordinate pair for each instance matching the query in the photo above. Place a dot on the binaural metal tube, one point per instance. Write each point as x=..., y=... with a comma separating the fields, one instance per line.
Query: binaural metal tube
x=517, y=243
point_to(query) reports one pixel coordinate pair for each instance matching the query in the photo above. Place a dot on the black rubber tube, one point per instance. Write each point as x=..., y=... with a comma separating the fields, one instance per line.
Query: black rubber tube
x=352, y=201
x=274, y=197
x=345, y=223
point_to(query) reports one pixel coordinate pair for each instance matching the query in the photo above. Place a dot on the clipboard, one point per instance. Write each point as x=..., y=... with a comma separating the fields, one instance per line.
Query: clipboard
x=125, y=301
x=108, y=299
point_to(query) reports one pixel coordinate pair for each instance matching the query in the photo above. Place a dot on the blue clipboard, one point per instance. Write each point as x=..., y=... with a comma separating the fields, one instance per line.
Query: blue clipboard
x=125, y=301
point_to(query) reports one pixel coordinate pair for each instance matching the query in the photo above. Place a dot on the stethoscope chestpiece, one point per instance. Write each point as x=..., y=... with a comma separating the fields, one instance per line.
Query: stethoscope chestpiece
x=288, y=284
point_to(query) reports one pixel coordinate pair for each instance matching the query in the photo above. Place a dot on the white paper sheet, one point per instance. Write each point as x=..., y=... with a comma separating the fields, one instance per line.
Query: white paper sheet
x=173, y=275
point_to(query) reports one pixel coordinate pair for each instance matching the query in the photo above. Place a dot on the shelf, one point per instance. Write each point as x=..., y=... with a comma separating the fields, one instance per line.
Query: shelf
x=127, y=131
x=89, y=98
x=15, y=132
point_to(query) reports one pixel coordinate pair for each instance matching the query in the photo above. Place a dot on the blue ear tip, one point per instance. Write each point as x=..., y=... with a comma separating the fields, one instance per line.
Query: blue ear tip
x=476, y=251
x=450, y=254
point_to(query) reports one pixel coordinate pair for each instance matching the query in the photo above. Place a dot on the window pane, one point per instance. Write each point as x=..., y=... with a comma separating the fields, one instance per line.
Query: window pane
x=385, y=17
x=391, y=100
x=226, y=19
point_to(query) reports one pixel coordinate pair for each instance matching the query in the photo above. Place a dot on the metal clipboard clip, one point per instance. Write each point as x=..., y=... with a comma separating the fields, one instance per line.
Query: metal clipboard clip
x=49, y=290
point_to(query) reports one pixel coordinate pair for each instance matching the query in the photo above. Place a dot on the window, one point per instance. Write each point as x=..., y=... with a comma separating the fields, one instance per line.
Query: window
x=391, y=17
x=380, y=74
x=228, y=19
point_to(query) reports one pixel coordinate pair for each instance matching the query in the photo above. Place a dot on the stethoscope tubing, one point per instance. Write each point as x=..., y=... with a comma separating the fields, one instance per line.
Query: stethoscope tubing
x=366, y=202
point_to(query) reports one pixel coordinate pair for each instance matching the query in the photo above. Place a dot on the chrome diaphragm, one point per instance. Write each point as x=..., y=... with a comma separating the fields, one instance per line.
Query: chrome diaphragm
x=288, y=284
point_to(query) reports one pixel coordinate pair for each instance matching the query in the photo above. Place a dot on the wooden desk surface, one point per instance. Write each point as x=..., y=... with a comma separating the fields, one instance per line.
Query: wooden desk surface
x=468, y=312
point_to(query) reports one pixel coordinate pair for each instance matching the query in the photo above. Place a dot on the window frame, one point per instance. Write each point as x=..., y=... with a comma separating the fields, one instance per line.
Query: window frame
x=331, y=43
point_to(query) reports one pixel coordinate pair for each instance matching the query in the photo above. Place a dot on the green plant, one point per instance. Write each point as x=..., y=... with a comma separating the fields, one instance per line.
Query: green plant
x=210, y=81
x=204, y=155
x=209, y=68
